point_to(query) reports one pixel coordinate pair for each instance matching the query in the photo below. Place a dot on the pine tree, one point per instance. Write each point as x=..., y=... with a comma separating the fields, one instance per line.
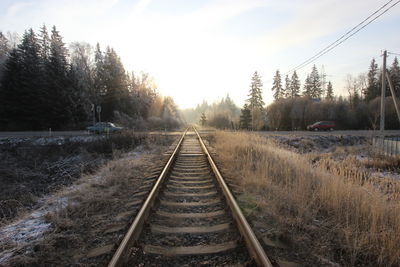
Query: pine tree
x=277, y=86
x=203, y=119
x=329, y=91
x=372, y=87
x=295, y=85
x=245, y=118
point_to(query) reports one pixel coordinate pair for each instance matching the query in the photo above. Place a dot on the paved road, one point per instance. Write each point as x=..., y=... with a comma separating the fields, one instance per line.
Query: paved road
x=293, y=133
x=305, y=133
x=339, y=132
x=43, y=133
x=66, y=133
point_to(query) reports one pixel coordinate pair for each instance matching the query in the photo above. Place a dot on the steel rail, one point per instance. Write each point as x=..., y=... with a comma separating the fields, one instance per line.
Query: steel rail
x=254, y=247
x=134, y=230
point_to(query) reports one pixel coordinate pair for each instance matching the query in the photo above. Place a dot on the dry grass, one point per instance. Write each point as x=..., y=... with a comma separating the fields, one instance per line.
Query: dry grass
x=381, y=162
x=373, y=159
x=337, y=214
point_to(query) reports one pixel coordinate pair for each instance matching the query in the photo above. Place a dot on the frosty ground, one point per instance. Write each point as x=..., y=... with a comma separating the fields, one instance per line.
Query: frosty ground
x=62, y=215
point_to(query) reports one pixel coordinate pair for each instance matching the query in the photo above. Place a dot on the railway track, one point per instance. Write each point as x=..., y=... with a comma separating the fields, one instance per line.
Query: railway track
x=190, y=217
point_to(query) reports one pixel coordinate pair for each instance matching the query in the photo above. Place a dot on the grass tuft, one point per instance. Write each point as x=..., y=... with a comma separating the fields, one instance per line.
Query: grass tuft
x=336, y=211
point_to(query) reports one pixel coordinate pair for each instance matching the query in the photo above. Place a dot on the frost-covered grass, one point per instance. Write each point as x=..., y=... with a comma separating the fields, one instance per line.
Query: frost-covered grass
x=33, y=167
x=67, y=222
x=332, y=210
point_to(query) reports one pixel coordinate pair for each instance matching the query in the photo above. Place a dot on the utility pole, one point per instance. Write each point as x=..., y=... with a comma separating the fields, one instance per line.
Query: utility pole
x=383, y=94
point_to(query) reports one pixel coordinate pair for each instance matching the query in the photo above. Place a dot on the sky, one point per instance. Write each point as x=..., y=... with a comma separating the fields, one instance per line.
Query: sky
x=205, y=49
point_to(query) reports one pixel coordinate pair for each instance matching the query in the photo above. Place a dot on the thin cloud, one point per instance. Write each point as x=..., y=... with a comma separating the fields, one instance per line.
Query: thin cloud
x=316, y=19
x=17, y=8
x=220, y=11
x=140, y=7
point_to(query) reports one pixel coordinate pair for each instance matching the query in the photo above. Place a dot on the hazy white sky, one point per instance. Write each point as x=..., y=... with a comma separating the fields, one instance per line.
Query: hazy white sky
x=204, y=49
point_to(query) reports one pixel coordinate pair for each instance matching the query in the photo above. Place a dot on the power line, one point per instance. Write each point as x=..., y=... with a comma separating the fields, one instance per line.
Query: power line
x=392, y=53
x=346, y=36
x=341, y=37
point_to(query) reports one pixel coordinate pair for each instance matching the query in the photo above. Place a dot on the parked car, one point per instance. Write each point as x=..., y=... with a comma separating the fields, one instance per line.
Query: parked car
x=322, y=126
x=104, y=127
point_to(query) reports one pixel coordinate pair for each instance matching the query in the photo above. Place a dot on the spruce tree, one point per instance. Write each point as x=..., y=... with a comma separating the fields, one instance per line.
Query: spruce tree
x=21, y=103
x=45, y=90
x=115, y=94
x=31, y=99
x=255, y=94
x=286, y=91
x=58, y=53
x=203, y=119
x=10, y=86
x=44, y=43
x=277, y=86
x=329, y=91
x=58, y=83
x=255, y=102
x=372, y=86
x=315, y=82
x=231, y=108
x=245, y=118
x=295, y=85
x=307, y=89
x=4, y=52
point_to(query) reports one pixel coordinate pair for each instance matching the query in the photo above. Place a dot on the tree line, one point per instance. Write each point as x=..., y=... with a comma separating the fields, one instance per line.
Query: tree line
x=314, y=86
x=222, y=113
x=296, y=106
x=359, y=110
x=44, y=84
x=225, y=114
